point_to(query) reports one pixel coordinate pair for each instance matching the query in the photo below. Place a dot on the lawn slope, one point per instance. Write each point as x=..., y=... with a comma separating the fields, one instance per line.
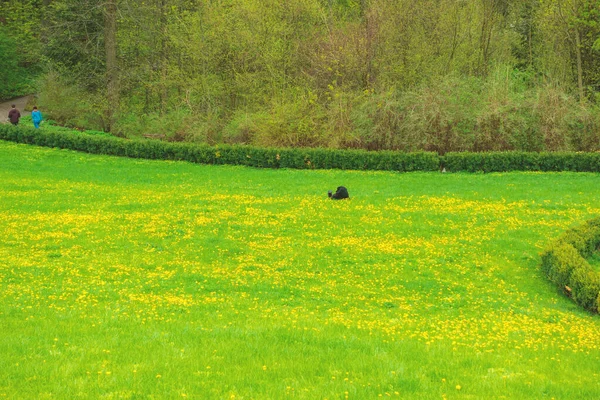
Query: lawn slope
x=126, y=278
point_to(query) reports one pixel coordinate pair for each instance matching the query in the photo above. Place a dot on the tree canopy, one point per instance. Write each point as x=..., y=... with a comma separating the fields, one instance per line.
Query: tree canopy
x=378, y=74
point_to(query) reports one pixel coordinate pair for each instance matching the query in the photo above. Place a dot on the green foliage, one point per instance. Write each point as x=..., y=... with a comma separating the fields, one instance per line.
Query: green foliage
x=175, y=126
x=15, y=79
x=77, y=52
x=585, y=285
x=566, y=260
x=441, y=76
x=21, y=21
x=69, y=104
x=223, y=154
x=290, y=122
x=564, y=263
x=268, y=74
x=521, y=161
x=566, y=44
x=305, y=158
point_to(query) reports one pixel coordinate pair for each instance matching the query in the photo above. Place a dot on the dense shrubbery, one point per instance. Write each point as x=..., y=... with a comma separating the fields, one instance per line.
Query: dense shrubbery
x=16, y=78
x=372, y=75
x=522, y=161
x=304, y=158
x=499, y=113
x=564, y=263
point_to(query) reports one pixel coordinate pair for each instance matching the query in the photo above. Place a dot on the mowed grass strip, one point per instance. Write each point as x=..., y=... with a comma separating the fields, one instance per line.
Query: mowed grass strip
x=126, y=278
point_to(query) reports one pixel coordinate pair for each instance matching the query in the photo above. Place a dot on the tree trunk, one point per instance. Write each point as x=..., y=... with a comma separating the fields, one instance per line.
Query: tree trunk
x=163, y=90
x=369, y=27
x=112, y=71
x=579, y=66
x=530, y=44
x=485, y=38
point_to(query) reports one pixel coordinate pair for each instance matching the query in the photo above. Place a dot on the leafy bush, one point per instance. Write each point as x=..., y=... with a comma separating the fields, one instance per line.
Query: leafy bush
x=506, y=110
x=222, y=154
x=175, y=126
x=15, y=79
x=565, y=260
x=564, y=264
x=521, y=161
x=585, y=285
x=292, y=121
x=70, y=105
x=444, y=113
x=305, y=158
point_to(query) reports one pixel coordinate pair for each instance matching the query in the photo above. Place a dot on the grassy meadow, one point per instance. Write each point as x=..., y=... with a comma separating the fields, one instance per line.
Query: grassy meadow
x=135, y=279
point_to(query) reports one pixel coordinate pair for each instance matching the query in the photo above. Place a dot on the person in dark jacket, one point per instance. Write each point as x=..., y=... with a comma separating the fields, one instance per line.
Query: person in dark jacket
x=14, y=115
x=340, y=193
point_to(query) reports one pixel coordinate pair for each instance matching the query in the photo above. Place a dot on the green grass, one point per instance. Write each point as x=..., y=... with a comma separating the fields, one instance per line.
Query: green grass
x=50, y=126
x=138, y=279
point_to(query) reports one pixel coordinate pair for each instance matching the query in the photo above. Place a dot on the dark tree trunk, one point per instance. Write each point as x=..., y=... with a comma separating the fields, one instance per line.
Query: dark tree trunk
x=112, y=71
x=163, y=90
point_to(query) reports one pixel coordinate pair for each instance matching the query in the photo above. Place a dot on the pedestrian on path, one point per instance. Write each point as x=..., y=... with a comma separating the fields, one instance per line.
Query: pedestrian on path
x=14, y=115
x=36, y=117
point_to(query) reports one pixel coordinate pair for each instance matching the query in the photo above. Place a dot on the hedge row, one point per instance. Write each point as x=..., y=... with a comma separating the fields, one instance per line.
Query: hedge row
x=564, y=263
x=305, y=158
x=225, y=154
x=521, y=161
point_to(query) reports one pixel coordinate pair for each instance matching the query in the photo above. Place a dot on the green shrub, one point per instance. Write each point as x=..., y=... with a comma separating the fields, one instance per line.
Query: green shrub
x=585, y=238
x=291, y=121
x=564, y=263
x=576, y=238
x=70, y=105
x=173, y=126
x=15, y=78
x=566, y=260
x=521, y=161
x=585, y=286
x=303, y=158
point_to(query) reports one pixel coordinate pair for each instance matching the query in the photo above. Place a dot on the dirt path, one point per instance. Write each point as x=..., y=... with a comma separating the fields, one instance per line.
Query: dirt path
x=20, y=102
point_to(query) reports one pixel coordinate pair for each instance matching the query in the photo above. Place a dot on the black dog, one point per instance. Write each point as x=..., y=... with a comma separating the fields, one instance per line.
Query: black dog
x=340, y=193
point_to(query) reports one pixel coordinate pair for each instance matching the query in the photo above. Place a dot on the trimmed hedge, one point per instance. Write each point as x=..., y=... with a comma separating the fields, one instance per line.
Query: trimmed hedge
x=564, y=263
x=225, y=154
x=521, y=161
x=304, y=158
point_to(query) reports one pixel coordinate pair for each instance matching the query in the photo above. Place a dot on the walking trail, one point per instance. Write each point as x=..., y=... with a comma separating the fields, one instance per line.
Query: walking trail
x=20, y=102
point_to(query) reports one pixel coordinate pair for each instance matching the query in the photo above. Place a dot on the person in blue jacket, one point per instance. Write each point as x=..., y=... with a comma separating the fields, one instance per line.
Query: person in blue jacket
x=36, y=117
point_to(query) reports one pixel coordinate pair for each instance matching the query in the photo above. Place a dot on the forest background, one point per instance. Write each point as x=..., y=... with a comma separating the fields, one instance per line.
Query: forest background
x=438, y=75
